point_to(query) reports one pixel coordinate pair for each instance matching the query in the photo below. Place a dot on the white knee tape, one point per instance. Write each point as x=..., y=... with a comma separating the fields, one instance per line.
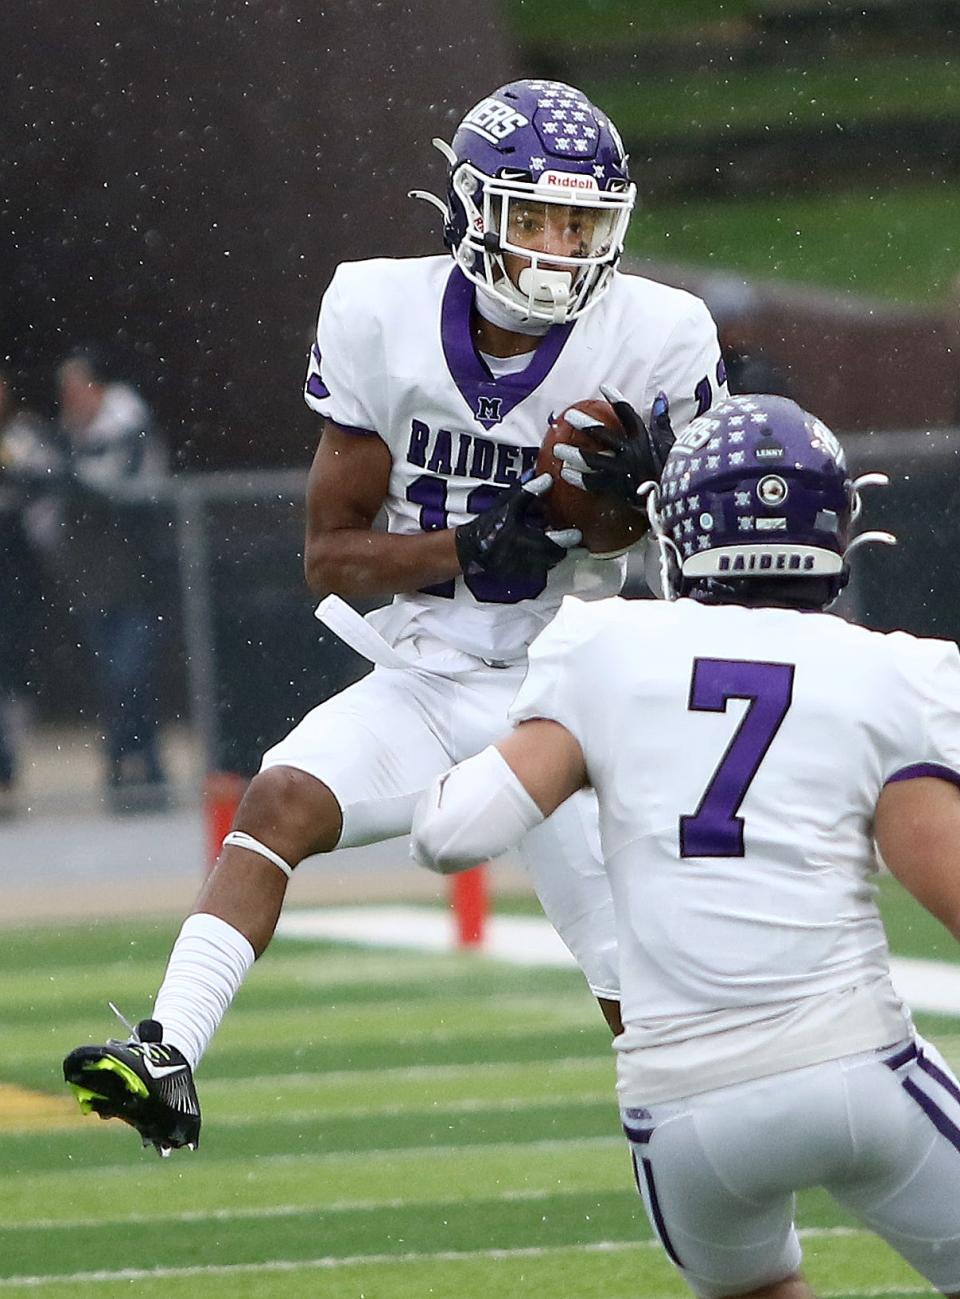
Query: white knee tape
x=237, y=839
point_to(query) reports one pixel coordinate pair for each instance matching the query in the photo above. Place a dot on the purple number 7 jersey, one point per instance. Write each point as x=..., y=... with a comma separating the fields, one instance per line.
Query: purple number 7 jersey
x=738, y=755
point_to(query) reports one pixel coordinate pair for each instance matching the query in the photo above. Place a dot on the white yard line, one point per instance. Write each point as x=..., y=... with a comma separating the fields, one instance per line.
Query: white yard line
x=401, y=1154
x=463, y=1105
x=331, y=1263
x=530, y=940
x=403, y=1073
x=520, y=940
x=268, y=1211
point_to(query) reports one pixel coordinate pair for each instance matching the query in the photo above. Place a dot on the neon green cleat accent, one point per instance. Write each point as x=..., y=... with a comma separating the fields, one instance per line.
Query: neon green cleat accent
x=86, y=1097
x=112, y=1065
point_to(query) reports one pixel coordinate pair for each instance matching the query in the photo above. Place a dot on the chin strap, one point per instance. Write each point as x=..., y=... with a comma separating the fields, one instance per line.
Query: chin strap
x=668, y=556
x=424, y=194
x=869, y=538
x=865, y=480
x=427, y=197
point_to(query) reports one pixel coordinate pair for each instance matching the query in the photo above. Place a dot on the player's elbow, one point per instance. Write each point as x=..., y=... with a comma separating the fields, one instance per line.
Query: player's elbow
x=473, y=812
x=322, y=568
x=442, y=858
x=318, y=578
x=434, y=844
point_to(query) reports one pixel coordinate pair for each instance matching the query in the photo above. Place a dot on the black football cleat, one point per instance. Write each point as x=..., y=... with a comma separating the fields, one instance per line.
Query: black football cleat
x=141, y=1081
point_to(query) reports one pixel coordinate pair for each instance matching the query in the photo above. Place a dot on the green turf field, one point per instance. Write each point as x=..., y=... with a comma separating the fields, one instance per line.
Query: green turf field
x=901, y=245
x=838, y=96
x=615, y=22
x=376, y=1126
x=895, y=239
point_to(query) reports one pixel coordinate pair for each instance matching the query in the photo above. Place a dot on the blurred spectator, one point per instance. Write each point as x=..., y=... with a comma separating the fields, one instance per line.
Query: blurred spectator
x=22, y=461
x=735, y=306
x=103, y=558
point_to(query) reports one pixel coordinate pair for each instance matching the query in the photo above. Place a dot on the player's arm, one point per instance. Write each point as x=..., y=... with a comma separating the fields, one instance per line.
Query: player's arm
x=917, y=829
x=343, y=554
x=487, y=804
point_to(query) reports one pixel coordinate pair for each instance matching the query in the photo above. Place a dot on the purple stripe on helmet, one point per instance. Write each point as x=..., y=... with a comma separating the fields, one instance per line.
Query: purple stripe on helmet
x=489, y=400
x=640, y=1135
x=659, y=1225
x=925, y=769
x=908, y=1053
x=317, y=388
x=934, y=1113
x=948, y=1084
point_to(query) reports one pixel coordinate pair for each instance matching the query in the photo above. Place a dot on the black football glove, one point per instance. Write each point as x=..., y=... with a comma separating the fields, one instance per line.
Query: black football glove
x=510, y=539
x=632, y=457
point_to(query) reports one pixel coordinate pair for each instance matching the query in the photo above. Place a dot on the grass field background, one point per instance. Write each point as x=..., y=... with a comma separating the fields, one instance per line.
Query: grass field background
x=708, y=78
x=377, y=1125
x=900, y=246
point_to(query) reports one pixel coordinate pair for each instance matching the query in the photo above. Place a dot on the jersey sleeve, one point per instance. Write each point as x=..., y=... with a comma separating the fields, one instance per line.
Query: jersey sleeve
x=690, y=368
x=931, y=746
x=334, y=386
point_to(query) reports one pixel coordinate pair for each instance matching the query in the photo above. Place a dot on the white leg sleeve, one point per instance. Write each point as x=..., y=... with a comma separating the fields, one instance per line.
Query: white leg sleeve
x=209, y=961
x=476, y=811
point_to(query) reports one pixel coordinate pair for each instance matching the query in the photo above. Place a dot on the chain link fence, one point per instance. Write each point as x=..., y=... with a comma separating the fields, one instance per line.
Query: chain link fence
x=243, y=658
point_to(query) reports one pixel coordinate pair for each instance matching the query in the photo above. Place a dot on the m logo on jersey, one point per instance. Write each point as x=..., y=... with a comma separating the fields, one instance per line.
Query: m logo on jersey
x=493, y=121
x=488, y=408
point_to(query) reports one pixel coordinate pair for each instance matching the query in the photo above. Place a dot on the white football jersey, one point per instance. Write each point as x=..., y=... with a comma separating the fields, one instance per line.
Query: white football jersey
x=394, y=357
x=738, y=755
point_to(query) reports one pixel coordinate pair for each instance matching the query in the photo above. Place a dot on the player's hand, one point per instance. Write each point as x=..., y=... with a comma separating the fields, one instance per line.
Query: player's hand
x=629, y=459
x=511, y=539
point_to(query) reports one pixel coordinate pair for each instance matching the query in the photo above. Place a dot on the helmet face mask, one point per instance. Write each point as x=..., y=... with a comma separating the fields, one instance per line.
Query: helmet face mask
x=756, y=489
x=538, y=151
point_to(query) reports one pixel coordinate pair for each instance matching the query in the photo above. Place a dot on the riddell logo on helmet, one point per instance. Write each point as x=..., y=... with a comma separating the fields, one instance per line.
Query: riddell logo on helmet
x=566, y=180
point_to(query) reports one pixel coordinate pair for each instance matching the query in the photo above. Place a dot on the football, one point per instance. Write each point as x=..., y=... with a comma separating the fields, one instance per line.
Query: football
x=609, y=526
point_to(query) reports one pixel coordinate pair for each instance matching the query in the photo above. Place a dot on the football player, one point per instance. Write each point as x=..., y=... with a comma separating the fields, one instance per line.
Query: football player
x=764, y=1047
x=436, y=381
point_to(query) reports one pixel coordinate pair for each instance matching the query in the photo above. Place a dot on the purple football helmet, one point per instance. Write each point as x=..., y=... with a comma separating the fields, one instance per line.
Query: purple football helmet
x=528, y=155
x=756, y=488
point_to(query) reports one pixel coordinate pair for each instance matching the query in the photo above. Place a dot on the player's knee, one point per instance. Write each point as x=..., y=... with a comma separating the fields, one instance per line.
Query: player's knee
x=292, y=812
